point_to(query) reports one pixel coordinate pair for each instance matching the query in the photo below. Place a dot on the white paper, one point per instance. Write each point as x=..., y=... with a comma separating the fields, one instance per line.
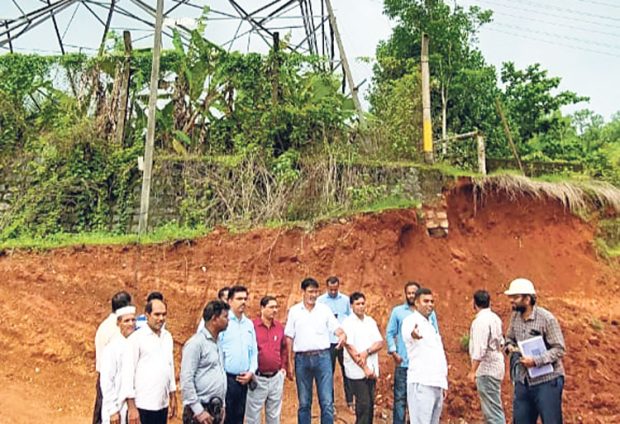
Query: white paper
x=535, y=347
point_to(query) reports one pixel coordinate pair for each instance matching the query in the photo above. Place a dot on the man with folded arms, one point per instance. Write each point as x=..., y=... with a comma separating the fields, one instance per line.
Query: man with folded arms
x=273, y=366
x=309, y=327
x=203, y=379
x=238, y=344
x=148, y=370
x=427, y=375
x=361, y=362
x=114, y=406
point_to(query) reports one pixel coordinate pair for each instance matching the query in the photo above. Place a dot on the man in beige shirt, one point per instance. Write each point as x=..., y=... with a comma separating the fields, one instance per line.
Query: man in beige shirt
x=487, y=362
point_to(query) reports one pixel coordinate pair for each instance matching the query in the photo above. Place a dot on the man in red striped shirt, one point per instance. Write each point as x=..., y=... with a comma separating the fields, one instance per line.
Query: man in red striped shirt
x=273, y=366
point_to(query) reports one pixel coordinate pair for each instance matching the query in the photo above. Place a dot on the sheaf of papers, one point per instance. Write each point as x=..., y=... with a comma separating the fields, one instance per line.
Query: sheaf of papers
x=535, y=347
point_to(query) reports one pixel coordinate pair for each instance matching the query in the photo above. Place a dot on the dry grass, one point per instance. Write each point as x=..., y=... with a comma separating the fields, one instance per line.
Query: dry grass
x=576, y=196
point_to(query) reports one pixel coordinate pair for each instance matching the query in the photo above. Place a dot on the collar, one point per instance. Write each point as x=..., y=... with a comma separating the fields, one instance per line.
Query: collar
x=232, y=316
x=329, y=296
x=532, y=316
x=483, y=311
x=358, y=318
x=207, y=334
x=259, y=322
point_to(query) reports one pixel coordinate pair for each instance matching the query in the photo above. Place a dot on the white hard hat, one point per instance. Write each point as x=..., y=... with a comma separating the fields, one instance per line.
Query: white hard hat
x=520, y=286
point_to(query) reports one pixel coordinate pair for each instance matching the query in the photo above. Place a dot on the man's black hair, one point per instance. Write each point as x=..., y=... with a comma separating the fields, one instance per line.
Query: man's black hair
x=422, y=291
x=149, y=305
x=214, y=309
x=355, y=296
x=532, y=299
x=482, y=299
x=265, y=301
x=332, y=280
x=120, y=300
x=222, y=291
x=155, y=295
x=309, y=282
x=412, y=283
x=236, y=289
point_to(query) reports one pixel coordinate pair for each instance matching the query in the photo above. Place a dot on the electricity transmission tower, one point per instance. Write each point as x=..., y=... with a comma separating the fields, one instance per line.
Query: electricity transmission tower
x=62, y=26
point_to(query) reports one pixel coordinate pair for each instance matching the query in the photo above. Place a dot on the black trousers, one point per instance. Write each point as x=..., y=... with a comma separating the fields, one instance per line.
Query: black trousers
x=364, y=392
x=236, y=394
x=338, y=354
x=153, y=417
x=98, y=402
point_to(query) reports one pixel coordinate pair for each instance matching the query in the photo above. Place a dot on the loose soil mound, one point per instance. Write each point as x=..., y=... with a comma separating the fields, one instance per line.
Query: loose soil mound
x=51, y=303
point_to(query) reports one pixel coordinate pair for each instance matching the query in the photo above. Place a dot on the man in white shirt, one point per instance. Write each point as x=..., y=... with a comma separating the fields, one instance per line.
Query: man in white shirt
x=361, y=361
x=105, y=332
x=487, y=362
x=308, y=327
x=114, y=407
x=148, y=370
x=427, y=375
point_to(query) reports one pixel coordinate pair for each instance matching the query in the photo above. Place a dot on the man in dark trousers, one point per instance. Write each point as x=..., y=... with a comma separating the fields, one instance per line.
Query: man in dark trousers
x=539, y=396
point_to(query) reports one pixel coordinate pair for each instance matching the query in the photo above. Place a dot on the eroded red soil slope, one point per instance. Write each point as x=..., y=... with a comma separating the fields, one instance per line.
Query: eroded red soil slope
x=51, y=303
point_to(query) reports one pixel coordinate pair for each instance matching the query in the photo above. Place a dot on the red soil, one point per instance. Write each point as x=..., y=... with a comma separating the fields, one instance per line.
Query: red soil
x=51, y=303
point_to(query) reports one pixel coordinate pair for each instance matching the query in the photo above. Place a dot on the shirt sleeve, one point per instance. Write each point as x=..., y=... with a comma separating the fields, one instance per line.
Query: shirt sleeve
x=130, y=357
x=172, y=382
x=253, y=350
x=289, y=330
x=478, y=340
x=376, y=334
x=391, y=332
x=434, y=322
x=555, y=342
x=110, y=401
x=406, y=329
x=510, y=334
x=284, y=352
x=332, y=322
x=189, y=364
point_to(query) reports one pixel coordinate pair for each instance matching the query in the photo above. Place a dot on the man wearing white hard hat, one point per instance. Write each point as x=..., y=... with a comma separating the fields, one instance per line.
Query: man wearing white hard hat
x=114, y=406
x=538, y=378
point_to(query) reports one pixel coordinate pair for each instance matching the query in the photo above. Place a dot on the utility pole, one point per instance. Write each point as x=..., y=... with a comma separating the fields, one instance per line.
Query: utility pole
x=150, y=130
x=345, y=63
x=427, y=127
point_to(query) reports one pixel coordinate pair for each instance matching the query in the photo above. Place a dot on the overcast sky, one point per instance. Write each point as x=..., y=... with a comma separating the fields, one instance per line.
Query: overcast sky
x=577, y=40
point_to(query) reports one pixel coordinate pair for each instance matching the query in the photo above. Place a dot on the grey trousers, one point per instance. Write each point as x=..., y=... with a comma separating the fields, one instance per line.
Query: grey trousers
x=490, y=392
x=268, y=394
x=424, y=403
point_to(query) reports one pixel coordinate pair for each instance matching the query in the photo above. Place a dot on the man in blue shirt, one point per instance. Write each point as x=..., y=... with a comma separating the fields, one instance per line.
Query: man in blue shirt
x=341, y=308
x=398, y=351
x=240, y=354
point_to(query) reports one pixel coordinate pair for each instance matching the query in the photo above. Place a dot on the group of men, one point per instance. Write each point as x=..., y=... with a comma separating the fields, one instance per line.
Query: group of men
x=233, y=368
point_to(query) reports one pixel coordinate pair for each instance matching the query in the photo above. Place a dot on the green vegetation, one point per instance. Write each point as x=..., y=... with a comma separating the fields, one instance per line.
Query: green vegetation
x=464, y=342
x=251, y=139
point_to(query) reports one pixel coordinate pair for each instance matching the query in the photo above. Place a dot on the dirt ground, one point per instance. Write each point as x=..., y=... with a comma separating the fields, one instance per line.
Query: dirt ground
x=52, y=302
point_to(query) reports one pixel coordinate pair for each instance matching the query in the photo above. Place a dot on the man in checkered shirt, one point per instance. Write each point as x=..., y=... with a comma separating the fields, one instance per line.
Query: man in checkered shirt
x=542, y=395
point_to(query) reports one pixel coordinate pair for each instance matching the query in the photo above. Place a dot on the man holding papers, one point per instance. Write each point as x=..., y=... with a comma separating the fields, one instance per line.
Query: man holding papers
x=539, y=376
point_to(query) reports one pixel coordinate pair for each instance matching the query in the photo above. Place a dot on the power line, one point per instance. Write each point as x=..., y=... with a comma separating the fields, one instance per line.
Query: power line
x=578, y=28
x=566, y=10
x=553, y=15
x=542, y=40
x=600, y=3
x=566, y=37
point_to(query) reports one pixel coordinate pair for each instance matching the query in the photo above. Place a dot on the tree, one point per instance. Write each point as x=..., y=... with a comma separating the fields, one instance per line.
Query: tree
x=457, y=67
x=531, y=104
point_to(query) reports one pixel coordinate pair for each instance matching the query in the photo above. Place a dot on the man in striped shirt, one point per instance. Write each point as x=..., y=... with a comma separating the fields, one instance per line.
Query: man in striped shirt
x=487, y=363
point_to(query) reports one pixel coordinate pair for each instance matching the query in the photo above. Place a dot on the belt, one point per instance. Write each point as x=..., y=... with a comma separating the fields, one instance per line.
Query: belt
x=312, y=352
x=267, y=374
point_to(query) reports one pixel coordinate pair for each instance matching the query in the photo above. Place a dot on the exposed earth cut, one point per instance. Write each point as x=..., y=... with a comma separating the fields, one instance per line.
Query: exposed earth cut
x=52, y=302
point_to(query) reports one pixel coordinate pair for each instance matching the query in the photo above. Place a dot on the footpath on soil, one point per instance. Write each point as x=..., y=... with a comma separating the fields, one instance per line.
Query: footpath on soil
x=52, y=302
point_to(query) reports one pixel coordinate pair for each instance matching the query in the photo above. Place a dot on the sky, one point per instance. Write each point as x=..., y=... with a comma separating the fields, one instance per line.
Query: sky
x=576, y=40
